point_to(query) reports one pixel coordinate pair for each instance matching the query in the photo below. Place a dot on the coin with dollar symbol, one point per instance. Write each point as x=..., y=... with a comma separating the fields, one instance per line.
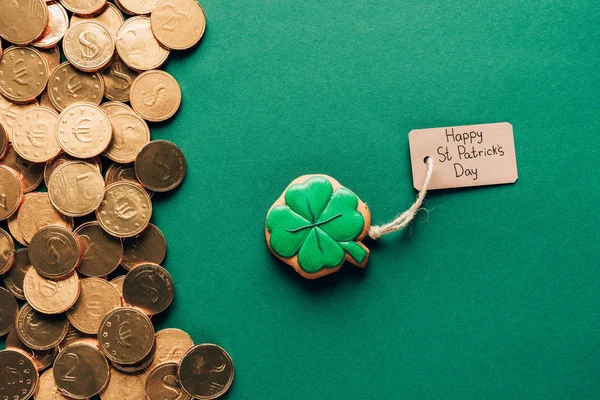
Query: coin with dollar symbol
x=160, y=166
x=155, y=95
x=118, y=78
x=149, y=287
x=89, y=46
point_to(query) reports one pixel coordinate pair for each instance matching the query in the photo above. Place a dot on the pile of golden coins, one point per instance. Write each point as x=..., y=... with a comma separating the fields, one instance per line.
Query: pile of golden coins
x=84, y=329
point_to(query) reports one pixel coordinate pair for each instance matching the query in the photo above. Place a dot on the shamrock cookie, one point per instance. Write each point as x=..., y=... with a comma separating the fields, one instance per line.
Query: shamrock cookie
x=316, y=225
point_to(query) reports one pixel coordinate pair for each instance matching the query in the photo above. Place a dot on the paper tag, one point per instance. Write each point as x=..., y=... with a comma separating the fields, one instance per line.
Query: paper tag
x=470, y=155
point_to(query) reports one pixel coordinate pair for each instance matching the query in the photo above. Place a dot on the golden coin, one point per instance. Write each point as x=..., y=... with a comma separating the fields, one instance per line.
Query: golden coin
x=160, y=166
x=163, y=383
x=7, y=252
x=149, y=246
x=76, y=188
x=139, y=7
x=20, y=376
x=83, y=130
x=46, y=102
x=155, y=95
x=98, y=297
x=137, y=46
x=84, y=7
x=102, y=252
x=126, y=336
x=110, y=16
x=149, y=287
x=130, y=134
x=3, y=141
x=41, y=358
x=37, y=212
x=52, y=57
x=81, y=371
x=14, y=278
x=125, y=210
x=67, y=85
x=136, y=367
x=33, y=135
x=47, y=389
x=8, y=311
x=23, y=21
x=9, y=112
x=89, y=46
x=30, y=173
x=117, y=80
x=58, y=23
x=115, y=107
x=178, y=24
x=40, y=331
x=206, y=371
x=50, y=297
x=171, y=345
x=63, y=158
x=124, y=386
x=11, y=193
x=54, y=252
x=118, y=284
x=25, y=74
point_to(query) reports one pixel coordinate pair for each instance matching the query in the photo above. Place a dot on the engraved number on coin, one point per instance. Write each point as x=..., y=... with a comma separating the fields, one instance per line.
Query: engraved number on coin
x=123, y=210
x=169, y=382
x=13, y=376
x=20, y=71
x=118, y=72
x=37, y=134
x=150, y=99
x=173, y=17
x=74, y=361
x=91, y=248
x=52, y=255
x=3, y=201
x=90, y=49
x=171, y=13
x=160, y=160
x=73, y=86
x=81, y=129
x=83, y=188
x=124, y=335
x=137, y=46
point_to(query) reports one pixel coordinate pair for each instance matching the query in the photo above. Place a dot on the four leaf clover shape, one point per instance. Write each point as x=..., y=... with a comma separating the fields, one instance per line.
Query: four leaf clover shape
x=316, y=225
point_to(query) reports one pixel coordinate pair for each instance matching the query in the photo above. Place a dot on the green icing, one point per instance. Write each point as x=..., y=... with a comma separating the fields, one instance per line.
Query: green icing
x=317, y=224
x=355, y=250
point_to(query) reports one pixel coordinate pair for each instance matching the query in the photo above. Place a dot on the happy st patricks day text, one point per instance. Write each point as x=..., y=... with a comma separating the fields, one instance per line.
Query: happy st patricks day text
x=462, y=146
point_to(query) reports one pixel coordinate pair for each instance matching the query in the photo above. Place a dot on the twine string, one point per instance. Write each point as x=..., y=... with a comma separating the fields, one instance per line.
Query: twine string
x=402, y=220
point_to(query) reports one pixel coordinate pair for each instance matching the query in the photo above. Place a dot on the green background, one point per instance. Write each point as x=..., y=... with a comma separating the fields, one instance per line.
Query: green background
x=496, y=295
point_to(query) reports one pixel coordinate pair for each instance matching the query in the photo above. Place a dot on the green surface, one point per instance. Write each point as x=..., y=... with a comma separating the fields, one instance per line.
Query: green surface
x=495, y=296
